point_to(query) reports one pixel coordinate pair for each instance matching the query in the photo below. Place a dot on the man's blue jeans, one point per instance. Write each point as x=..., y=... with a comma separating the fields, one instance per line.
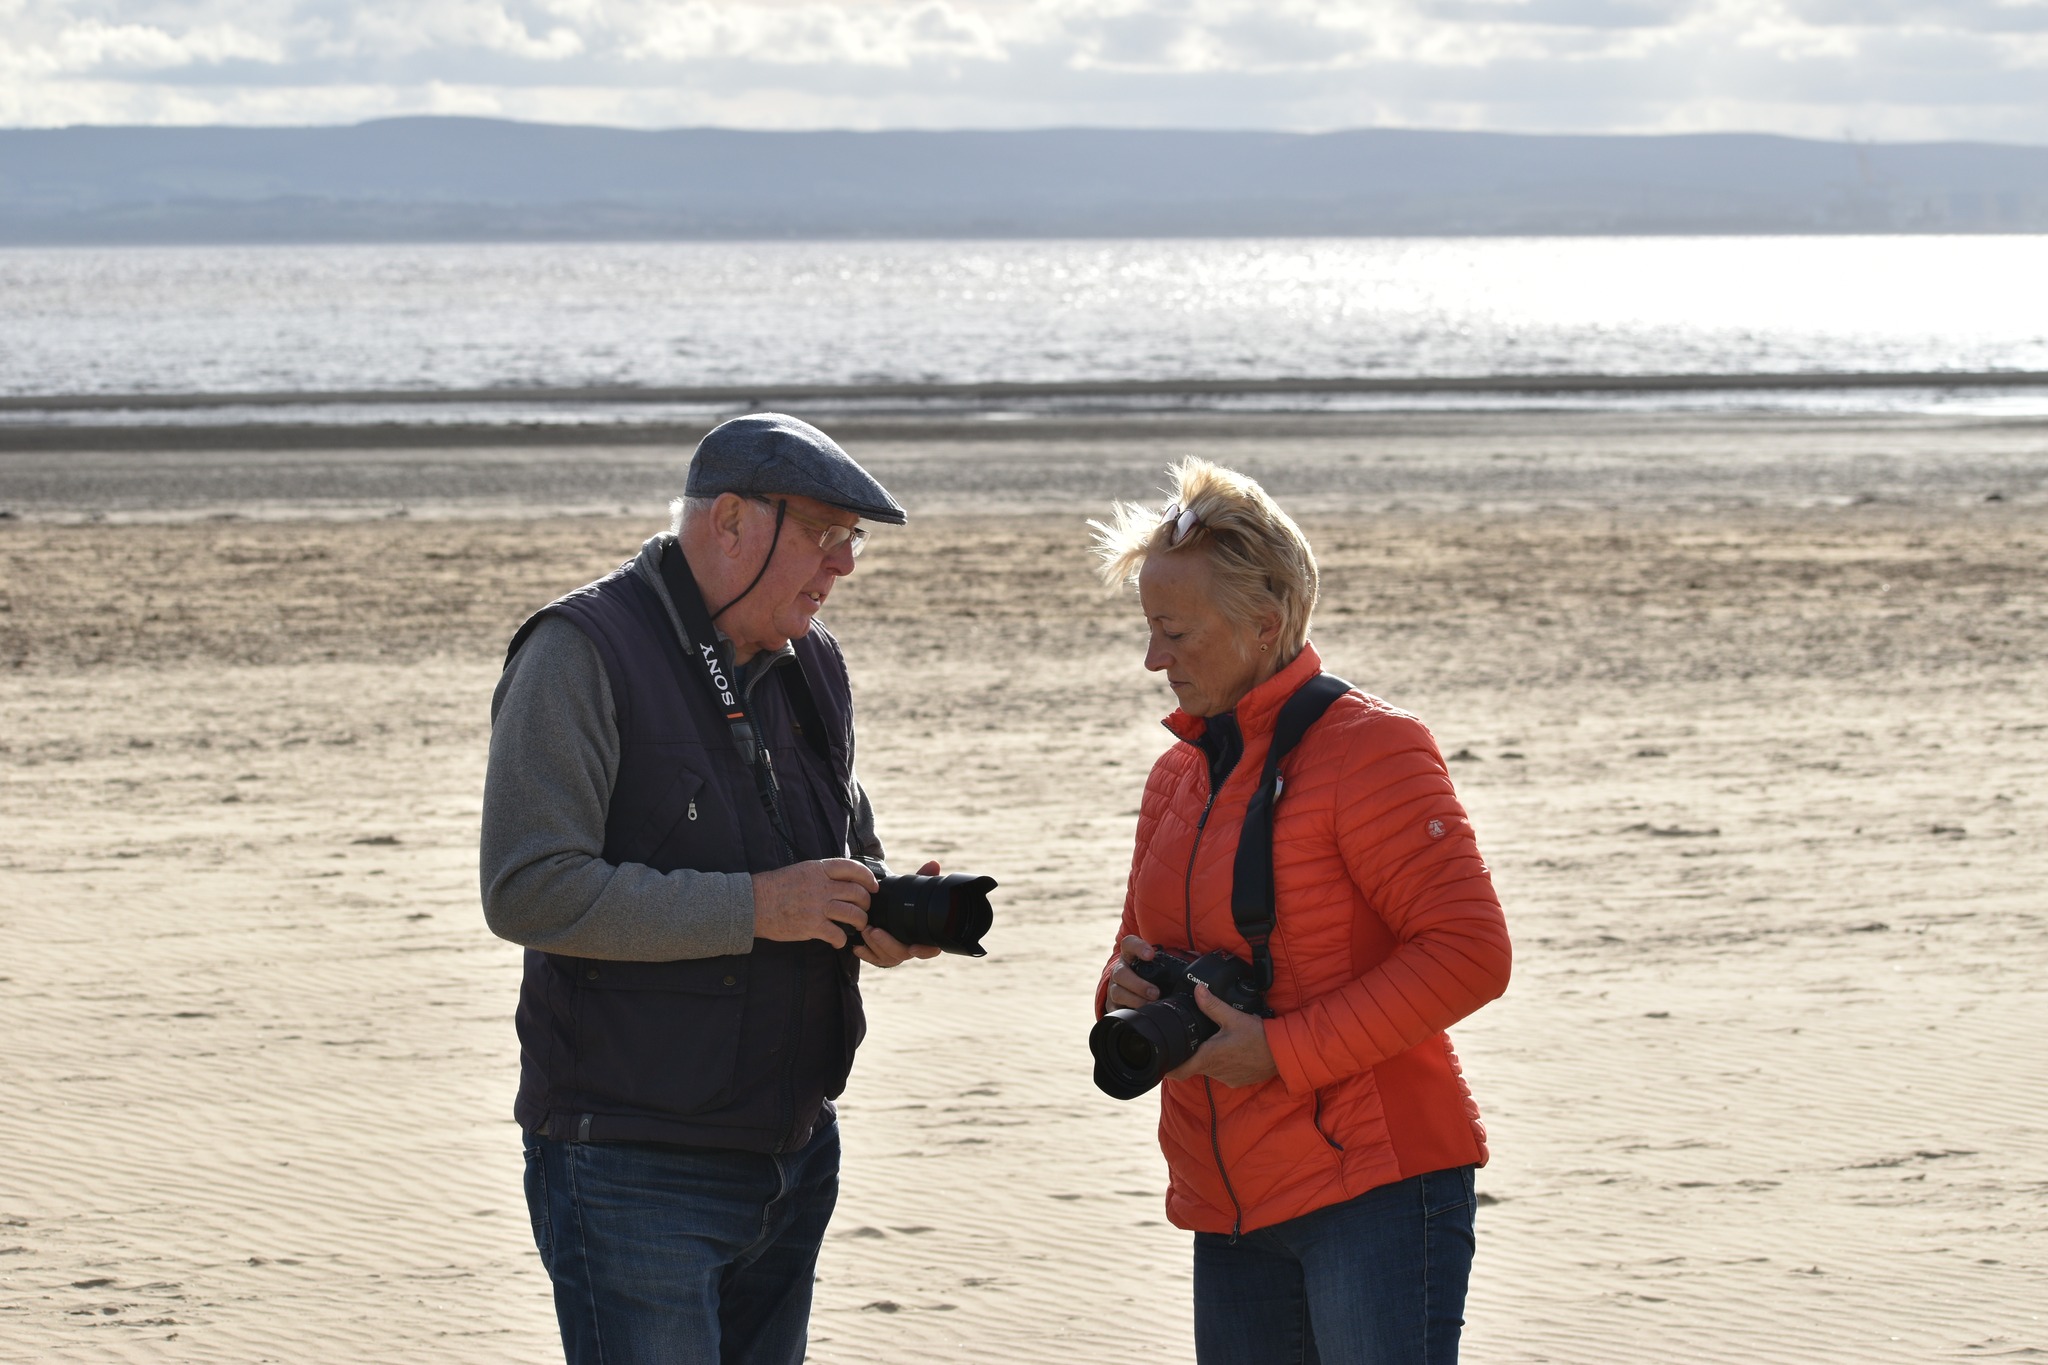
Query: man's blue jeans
x=681, y=1255
x=1376, y=1280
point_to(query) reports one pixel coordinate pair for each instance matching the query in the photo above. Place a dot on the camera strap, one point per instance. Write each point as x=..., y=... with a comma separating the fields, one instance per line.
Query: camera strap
x=700, y=642
x=1251, y=887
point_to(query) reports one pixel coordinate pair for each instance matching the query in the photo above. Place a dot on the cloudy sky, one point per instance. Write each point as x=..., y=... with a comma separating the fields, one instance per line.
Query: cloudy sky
x=1866, y=68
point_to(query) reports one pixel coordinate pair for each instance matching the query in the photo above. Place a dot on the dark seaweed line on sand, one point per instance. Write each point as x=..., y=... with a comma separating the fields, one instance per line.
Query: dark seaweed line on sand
x=367, y=437
x=1051, y=389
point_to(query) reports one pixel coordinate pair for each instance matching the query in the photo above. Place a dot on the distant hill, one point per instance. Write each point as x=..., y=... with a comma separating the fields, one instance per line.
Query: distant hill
x=459, y=179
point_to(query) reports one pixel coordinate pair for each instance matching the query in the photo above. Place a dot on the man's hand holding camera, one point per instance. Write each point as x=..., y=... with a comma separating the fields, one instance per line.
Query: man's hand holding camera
x=1237, y=1054
x=827, y=900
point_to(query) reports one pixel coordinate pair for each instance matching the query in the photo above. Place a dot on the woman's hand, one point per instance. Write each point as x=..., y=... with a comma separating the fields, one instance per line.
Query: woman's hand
x=880, y=948
x=1127, y=990
x=1237, y=1055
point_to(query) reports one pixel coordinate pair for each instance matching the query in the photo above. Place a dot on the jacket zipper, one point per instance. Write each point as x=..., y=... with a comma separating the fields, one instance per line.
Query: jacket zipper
x=1216, y=1147
x=1187, y=886
x=1208, y=1091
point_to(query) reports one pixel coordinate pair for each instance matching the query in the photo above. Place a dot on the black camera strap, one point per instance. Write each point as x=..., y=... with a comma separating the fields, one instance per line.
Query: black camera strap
x=1251, y=885
x=700, y=641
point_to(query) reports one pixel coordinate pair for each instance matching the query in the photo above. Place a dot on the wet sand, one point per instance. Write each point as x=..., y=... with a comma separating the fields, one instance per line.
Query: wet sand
x=1748, y=714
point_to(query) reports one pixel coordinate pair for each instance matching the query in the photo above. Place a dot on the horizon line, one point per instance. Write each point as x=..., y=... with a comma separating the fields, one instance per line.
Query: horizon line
x=1848, y=140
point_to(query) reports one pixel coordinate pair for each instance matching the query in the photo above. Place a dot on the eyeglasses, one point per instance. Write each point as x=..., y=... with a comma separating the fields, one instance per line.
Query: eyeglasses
x=826, y=535
x=1183, y=522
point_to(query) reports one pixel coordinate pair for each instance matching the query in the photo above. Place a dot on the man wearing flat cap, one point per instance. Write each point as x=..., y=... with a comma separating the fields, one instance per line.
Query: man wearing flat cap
x=673, y=830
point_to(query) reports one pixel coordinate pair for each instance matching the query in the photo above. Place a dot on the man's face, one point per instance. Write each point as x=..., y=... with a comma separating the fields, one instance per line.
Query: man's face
x=799, y=576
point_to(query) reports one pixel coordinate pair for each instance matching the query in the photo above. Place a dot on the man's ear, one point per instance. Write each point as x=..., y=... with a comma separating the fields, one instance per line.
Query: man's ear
x=728, y=523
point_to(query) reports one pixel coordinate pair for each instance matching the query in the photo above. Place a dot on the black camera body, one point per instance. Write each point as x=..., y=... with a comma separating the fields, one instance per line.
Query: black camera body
x=1134, y=1049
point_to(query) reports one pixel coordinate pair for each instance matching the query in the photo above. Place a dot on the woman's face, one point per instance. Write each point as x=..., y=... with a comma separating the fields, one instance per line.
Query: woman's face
x=1209, y=660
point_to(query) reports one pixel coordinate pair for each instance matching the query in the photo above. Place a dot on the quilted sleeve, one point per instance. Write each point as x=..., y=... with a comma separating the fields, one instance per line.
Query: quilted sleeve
x=1148, y=819
x=1410, y=851
x=1127, y=927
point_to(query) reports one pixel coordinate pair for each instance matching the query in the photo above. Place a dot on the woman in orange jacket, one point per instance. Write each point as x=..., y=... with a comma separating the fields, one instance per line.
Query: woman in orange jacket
x=1322, y=1156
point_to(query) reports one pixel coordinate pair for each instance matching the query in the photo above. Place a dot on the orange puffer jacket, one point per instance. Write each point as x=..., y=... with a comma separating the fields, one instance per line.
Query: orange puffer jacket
x=1388, y=932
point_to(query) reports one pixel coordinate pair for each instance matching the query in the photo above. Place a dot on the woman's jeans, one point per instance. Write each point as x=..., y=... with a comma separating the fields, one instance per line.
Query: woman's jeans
x=1376, y=1280
x=681, y=1255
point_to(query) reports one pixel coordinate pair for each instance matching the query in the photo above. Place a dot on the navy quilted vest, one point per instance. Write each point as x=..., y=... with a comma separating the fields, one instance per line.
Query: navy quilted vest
x=742, y=1051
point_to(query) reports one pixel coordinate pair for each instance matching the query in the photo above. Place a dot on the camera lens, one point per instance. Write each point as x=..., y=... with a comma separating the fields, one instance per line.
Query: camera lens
x=950, y=912
x=1134, y=1049
x=1134, y=1052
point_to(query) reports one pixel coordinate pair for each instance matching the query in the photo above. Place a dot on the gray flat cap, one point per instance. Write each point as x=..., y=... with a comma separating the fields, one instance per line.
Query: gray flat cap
x=766, y=453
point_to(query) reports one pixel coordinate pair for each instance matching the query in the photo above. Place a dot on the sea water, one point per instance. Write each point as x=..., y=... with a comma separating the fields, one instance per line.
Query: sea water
x=423, y=318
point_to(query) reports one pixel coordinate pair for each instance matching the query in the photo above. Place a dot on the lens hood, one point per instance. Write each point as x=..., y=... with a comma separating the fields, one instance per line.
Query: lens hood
x=949, y=912
x=1126, y=1055
x=1134, y=1049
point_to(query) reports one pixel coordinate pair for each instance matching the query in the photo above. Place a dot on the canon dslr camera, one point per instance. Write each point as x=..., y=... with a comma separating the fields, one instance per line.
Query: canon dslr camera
x=1135, y=1048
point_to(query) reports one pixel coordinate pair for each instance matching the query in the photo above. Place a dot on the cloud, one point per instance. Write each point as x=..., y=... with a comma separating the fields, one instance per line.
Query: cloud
x=1975, y=16
x=95, y=45
x=1595, y=14
x=1892, y=68
x=894, y=37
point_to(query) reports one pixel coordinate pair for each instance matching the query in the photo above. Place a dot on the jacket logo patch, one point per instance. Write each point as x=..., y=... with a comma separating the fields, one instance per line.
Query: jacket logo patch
x=1436, y=829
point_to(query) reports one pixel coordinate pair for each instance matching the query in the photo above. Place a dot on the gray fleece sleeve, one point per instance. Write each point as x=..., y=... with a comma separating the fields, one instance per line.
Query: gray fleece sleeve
x=867, y=845
x=547, y=792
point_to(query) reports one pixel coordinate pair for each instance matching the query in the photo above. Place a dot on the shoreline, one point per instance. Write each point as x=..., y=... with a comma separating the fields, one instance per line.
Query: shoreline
x=909, y=427
x=1359, y=463
x=983, y=392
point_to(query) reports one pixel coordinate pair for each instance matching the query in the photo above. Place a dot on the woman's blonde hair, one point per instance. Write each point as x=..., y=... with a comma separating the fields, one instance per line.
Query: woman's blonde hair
x=1261, y=560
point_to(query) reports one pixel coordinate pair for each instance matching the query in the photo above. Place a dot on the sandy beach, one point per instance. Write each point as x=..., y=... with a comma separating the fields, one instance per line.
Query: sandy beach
x=1748, y=712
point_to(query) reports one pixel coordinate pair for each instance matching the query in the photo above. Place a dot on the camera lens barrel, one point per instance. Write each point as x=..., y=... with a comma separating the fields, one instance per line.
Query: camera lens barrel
x=1134, y=1049
x=950, y=912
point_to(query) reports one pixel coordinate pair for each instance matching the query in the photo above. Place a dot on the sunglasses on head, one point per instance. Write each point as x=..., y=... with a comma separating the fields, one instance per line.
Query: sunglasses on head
x=1181, y=521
